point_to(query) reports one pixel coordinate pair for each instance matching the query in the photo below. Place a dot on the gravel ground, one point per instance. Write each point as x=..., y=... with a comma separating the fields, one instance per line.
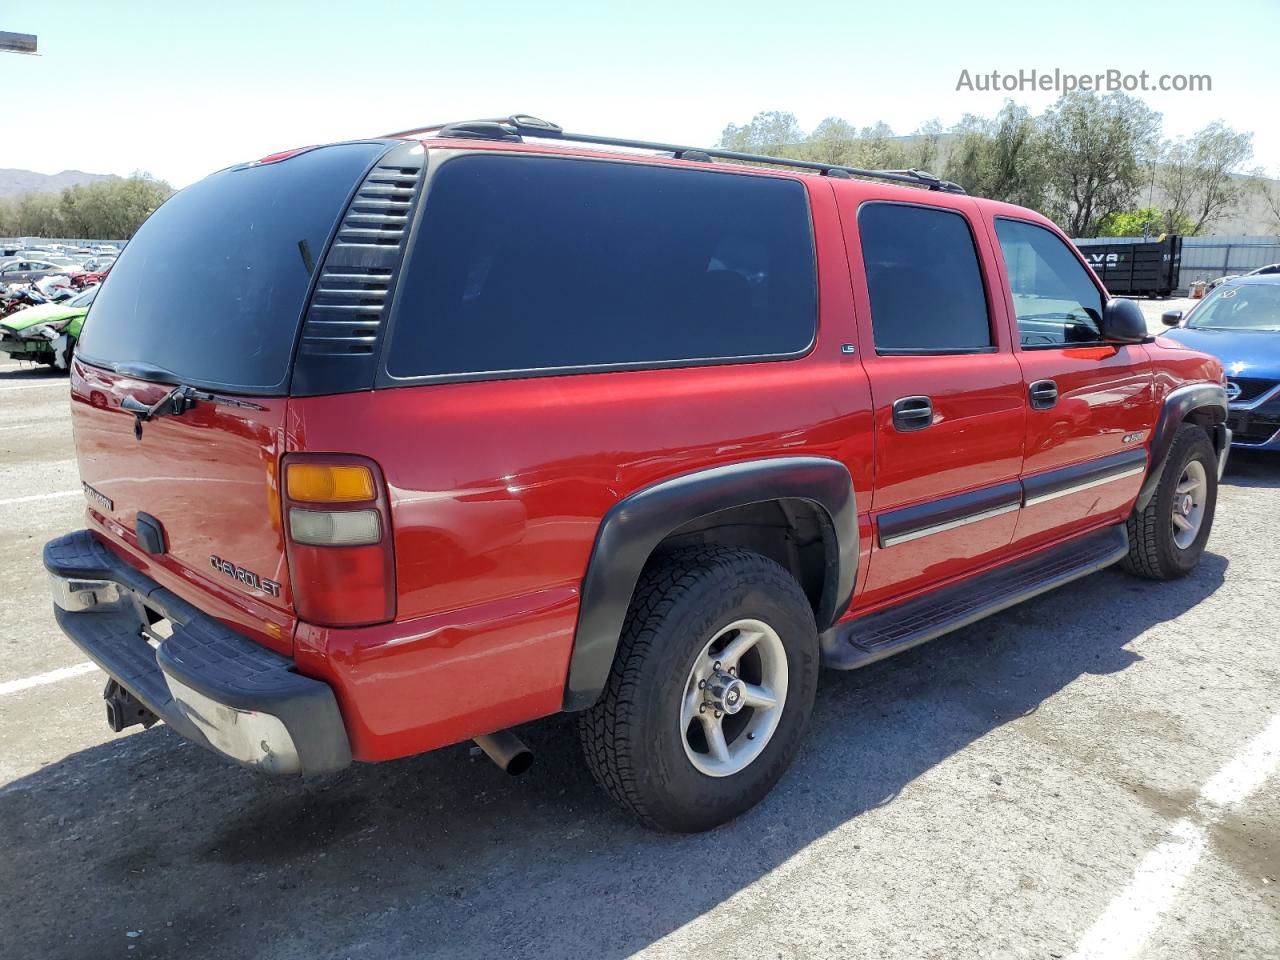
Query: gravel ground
x=1002, y=792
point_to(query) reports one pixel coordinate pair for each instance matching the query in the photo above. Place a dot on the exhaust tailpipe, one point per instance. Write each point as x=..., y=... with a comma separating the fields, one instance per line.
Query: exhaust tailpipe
x=506, y=750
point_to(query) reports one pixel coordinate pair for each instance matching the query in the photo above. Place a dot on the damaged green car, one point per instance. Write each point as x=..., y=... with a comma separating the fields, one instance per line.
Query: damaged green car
x=46, y=333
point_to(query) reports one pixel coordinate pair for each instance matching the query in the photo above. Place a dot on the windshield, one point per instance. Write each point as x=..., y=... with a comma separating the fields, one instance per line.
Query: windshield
x=213, y=286
x=1248, y=306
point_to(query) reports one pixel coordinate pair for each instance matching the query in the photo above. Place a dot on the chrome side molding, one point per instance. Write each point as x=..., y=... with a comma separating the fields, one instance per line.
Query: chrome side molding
x=1084, y=485
x=891, y=541
x=906, y=524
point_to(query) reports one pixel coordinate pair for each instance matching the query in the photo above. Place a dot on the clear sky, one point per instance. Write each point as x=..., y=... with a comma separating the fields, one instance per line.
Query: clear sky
x=183, y=88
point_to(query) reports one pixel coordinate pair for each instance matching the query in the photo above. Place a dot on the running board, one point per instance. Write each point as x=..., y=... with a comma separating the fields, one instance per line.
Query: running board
x=856, y=643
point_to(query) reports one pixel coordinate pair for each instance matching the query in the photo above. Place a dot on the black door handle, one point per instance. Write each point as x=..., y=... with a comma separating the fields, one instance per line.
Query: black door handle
x=1043, y=394
x=912, y=413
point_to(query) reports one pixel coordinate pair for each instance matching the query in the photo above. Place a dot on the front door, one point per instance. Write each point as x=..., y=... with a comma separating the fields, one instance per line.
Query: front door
x=1089, y=403
x=946, y=390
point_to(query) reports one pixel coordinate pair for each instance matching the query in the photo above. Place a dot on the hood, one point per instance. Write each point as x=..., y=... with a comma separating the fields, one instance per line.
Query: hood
x=1243, y=353
x=44, y=313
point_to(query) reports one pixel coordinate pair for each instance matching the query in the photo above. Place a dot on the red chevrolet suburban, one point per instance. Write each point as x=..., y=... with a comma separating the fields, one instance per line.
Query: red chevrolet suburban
x=395, y=443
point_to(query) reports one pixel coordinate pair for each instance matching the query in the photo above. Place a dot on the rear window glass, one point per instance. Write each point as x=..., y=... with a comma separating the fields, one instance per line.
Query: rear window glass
x=213, y=286
x=531, y=263
x=925, y=286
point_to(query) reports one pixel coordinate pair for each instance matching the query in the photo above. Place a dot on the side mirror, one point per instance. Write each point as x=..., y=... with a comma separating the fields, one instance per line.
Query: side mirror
x=1123, y=322
x=1172, y=318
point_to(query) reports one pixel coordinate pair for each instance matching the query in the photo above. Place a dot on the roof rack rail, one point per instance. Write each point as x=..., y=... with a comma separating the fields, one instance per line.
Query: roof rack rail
x=518, y=126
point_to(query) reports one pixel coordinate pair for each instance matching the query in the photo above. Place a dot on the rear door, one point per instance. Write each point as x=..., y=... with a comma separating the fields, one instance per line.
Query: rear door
x=210, y=294
x=947, y=392
x=1089, y=403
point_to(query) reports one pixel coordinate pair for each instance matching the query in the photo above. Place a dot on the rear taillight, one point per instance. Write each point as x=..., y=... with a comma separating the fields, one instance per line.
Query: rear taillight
x=338, y=528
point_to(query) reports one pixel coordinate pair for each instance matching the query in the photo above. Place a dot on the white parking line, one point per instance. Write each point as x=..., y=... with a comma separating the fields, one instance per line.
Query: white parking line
x=1134, y=915
x=32, y=386
x=1246, y=771
x=32, y=498
x=53, y=676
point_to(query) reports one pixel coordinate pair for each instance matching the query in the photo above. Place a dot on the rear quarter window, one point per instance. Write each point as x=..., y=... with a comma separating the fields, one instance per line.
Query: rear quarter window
x=536, y=264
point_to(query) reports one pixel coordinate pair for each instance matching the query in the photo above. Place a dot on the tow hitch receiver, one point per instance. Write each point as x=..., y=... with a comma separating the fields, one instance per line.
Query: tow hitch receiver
x=124, y=709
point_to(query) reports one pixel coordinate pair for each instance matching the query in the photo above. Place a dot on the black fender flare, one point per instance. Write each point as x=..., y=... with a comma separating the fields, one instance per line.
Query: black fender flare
x=635, y=525
x=1210, y=397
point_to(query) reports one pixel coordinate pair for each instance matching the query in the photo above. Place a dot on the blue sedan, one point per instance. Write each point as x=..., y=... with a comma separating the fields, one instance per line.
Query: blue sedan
x=1239, y=323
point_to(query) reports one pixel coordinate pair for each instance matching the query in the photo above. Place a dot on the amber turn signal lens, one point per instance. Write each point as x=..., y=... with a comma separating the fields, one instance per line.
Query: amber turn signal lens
x=318, y=483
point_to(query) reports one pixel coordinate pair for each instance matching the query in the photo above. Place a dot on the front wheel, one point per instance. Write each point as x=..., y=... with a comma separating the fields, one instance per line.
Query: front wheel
x=710, y=690
x=1167, y=538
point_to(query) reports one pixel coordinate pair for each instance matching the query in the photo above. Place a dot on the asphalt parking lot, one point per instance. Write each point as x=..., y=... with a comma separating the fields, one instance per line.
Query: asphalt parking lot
x=1092, y=773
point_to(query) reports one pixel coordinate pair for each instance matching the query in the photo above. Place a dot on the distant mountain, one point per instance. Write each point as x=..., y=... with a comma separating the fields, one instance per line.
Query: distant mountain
x=13, y=182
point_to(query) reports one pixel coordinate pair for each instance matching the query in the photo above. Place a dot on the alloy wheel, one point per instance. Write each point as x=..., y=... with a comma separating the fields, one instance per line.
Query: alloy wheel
x=733, y=698
x=1188, y=504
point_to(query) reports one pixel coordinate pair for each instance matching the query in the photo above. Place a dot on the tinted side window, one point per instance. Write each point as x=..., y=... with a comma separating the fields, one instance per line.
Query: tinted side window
x=536, y=263
x=1053, y=297
x=923, y=277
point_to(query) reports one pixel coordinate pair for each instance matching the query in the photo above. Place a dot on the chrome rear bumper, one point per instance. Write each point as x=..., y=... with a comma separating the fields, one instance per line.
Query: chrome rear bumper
x=214, y=686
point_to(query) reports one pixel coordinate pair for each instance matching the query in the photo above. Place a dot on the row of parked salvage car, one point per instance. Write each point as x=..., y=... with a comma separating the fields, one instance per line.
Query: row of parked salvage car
x=24, y=261
x=41, y=321
x=45, y=293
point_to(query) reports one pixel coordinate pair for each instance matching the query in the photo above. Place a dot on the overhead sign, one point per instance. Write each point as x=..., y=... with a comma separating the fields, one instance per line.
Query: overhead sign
x=17, y=42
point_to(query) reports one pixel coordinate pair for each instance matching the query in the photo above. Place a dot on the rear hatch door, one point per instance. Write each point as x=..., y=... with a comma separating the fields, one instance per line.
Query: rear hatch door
x=208, y=297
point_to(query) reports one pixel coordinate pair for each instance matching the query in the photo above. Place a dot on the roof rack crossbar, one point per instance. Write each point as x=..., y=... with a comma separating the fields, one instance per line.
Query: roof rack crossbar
x=522, y=125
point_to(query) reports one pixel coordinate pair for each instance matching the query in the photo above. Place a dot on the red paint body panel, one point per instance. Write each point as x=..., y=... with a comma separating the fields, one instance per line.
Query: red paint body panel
x=415, y=685
x=1176, y=365
x=1104, y=396
x=209, y=476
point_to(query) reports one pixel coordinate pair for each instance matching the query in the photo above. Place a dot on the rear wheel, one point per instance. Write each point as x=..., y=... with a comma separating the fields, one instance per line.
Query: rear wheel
x=1168, y=537
x=710, y=690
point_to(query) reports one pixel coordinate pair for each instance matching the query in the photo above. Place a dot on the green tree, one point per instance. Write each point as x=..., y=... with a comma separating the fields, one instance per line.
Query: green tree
x=1095, y=149
x=1268, y=191
x=8, y=218
x=1084, y=162
x=1002, y=157
x=1195, y=175
x=878, y=149
x=770, y=132
x=832, y=141
x=104, y=210
x=1149, y=221
x=925, y=152
x=38, y=216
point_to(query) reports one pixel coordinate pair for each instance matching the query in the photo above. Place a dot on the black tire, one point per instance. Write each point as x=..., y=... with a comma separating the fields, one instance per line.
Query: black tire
x=1153, y=551
x=632, y=737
